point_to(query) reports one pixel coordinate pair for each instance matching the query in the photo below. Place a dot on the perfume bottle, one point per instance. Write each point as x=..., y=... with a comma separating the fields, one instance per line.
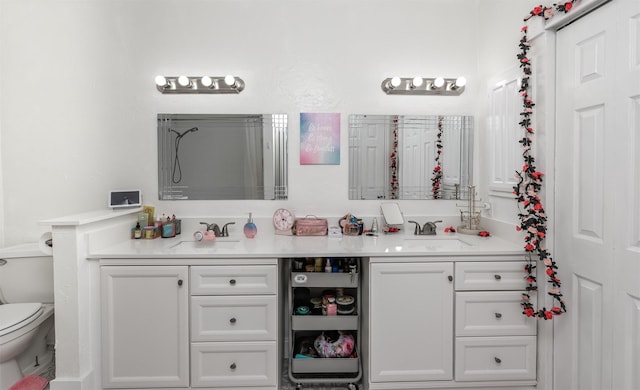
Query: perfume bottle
x=250, y=229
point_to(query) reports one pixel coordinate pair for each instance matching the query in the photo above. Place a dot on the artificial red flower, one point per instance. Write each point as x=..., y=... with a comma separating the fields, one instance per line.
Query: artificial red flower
x=518, y=228
x=450, y=229
x=540, y=234
x=529, y=248
x=556, y=310
x=550, y=271
x=567, y=6
x=524, y=60
x=538, y=206
x=484, y=233
x=537, y=10
x=548, y=315
x=528, y=312
x=524, y=28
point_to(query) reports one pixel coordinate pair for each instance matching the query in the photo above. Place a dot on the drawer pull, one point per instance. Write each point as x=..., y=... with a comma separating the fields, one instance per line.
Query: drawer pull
x=498, y=277
x=179, y=282
x=233, y=320
x=498, y=360
x=233, y=366
x=450, y=278
x=498, y=315
x=232, y=282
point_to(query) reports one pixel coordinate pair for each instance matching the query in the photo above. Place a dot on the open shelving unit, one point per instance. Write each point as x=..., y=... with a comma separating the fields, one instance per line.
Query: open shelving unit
x=304, y=330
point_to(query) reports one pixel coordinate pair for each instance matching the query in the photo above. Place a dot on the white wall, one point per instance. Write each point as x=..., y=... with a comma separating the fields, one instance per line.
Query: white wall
x=78, y=104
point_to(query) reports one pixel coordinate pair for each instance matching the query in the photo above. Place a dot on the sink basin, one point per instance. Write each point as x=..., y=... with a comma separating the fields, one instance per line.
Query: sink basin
x=429, y=244
x=206, y=245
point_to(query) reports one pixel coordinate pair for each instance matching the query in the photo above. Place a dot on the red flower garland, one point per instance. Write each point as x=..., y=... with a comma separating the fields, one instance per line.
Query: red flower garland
x=436, y=179
x=533, y=220
x=393, y=162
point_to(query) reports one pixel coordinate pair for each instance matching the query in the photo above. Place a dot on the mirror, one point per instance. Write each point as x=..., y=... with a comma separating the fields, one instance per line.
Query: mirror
x=222, y=157
x=410, y=156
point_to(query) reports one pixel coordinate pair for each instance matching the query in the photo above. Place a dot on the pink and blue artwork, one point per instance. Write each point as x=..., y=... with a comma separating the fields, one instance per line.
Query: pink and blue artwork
x=319, y=138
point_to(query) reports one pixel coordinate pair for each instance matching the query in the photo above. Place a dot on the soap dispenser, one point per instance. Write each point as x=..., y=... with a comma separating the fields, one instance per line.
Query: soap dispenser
x=250, y=229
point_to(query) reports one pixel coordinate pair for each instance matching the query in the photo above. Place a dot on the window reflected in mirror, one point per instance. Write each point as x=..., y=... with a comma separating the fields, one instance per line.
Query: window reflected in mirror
x=410, y=156
x=222, y=157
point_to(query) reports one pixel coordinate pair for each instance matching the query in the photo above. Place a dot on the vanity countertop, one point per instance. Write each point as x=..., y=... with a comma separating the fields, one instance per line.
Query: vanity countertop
x=276, y=246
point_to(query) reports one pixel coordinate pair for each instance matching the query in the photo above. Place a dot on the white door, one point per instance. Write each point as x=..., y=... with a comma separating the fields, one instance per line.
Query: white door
x=411, y=322
x=371, y=146
x=597, y=342
x=145, y=333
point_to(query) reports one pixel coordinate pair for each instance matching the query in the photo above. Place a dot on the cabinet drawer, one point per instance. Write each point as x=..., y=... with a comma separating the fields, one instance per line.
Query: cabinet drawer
x=233, y=318
x=496, y=313
x=234, y=364
x=234, y=280
x=495, y=358
x=508, y=275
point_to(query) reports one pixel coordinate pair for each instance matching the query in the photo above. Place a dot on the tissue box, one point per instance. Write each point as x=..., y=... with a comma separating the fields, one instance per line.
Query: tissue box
x=310, y=226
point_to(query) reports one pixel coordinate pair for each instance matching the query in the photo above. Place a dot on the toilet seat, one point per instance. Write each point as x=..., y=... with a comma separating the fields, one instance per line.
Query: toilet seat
x=16, y=315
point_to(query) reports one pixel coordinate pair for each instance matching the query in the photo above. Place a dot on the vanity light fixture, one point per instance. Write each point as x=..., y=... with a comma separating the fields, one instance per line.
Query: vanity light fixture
x=424, y=86
x=199, y=84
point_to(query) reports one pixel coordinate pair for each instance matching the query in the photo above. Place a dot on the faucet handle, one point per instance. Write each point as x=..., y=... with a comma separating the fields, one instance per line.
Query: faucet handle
x=225, y=229
x=417, y=230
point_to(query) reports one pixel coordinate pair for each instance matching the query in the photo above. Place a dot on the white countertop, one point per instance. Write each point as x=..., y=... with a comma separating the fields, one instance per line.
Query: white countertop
x=274, y=246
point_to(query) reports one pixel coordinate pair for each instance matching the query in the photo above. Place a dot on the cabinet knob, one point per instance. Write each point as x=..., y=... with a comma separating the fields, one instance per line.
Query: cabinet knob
x=498, y=360
x=179, y=282
x=233, y=320
x=233, y=366
x=498, y=315
x=498, y=277
x=450, y=278
x=232, y=282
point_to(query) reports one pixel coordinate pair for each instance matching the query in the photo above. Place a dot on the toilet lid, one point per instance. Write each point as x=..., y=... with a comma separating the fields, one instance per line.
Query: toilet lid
x=14, y=313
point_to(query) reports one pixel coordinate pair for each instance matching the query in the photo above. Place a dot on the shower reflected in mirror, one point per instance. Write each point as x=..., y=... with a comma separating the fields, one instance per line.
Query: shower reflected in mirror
x=222, y=157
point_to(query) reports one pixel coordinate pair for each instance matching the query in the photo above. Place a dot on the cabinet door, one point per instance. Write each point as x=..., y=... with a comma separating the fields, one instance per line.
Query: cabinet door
x=411, y=322
x=145, y=334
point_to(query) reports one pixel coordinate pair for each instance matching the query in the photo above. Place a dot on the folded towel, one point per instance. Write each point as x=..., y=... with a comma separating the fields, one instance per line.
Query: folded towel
x=30, y=382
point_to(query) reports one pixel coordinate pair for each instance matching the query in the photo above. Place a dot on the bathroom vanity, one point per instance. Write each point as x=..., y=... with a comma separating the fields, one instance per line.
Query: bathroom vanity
x=437, y=312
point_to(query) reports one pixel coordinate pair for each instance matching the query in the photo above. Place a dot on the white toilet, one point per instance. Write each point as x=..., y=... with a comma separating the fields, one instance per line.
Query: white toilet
x=26, y=313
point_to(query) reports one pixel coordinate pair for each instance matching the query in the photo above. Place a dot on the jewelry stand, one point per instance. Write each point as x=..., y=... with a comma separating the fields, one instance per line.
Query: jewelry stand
x=470, y=218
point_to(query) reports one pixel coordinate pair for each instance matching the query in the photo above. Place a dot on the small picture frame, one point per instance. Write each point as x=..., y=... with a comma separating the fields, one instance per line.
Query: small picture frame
x=125, y=198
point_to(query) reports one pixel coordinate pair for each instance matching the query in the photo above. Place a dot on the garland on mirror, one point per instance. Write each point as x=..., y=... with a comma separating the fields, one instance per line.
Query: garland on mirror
x=436, y=178
x=532, y=216
x=393, y=165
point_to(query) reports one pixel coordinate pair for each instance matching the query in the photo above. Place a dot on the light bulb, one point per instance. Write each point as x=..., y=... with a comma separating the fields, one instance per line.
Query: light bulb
x=438, y=82
x=230, y=80
x=206, y=81
x=161, y=81
x=395, y=82
x=416, y=82
x=184, y=81
x=461, y=82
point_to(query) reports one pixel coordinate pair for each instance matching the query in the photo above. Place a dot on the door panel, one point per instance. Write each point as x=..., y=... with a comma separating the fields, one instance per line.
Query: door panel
x=597, y=218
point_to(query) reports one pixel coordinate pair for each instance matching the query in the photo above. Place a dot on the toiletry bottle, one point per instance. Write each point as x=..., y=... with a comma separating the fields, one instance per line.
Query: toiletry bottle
x=137, y=233
x=250, y=229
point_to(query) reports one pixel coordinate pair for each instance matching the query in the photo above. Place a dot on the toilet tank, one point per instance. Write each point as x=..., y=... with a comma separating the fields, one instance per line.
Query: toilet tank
x=26, y=274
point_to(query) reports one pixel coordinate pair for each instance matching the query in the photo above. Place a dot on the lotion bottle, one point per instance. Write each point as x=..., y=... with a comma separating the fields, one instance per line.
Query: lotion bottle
x=250, y=229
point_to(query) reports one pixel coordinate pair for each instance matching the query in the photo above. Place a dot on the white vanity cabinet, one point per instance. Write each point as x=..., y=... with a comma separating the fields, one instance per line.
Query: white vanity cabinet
x=449, y=324
x=234, y=326
x=410, y=323
x=145, y=326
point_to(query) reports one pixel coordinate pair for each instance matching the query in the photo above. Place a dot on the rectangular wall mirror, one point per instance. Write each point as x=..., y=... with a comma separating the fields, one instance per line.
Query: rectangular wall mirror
x=222, y=157
x=394, y=156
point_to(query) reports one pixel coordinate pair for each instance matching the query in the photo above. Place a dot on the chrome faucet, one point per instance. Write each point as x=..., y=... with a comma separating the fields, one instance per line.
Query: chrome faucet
x=213, y=227
x=429, y=228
